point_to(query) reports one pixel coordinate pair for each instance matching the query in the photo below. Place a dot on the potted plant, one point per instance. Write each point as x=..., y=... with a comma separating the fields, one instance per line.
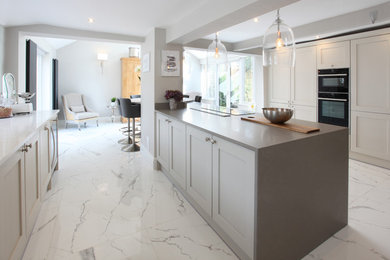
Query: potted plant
x=113, y=104
x=173, y=96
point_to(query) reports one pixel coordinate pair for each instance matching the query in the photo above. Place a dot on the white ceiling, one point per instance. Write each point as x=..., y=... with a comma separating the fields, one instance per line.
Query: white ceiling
x=57, y=43
x=296, y=14
x=130, y=17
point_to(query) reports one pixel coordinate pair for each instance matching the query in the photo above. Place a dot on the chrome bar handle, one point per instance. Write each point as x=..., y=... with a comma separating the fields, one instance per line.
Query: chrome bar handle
x=333, y=99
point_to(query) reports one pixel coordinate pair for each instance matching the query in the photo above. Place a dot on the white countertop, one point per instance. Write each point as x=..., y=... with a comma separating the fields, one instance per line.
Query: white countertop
x=16, y=130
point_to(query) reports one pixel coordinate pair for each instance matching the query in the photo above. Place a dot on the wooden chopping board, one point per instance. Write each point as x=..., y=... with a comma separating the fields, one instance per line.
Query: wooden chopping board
x=289, y=126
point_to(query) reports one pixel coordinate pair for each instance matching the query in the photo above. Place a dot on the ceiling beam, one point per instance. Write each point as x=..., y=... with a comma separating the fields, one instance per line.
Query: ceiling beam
x=329, y=27
x=217, y=15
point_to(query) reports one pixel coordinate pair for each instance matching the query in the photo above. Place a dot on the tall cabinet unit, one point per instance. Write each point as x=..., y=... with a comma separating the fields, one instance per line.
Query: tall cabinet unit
x=294, y=88
x=370, y=99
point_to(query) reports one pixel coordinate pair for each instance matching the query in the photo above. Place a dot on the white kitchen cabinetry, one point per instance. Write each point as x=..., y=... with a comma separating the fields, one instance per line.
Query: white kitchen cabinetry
x=370, y=74
x=162, y=127
x=13, y=236
x=171, y=149
x=304, y=87
x=32, y=181
x=333, y=55
x=45, y=160
x=177, y=152
x=234, y=191
x=199, y=168
x=296, y=90
x=279, y=77
x=370, y=134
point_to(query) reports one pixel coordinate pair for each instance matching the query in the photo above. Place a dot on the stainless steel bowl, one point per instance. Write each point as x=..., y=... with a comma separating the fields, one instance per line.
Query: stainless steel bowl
x=277, y=115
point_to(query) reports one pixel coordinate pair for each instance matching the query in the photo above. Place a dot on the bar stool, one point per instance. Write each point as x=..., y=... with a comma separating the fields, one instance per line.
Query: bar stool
x=123, y=129
x=130, y=110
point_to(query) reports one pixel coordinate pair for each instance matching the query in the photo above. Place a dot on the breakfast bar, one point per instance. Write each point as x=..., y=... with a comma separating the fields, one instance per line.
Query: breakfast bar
x=270, y=193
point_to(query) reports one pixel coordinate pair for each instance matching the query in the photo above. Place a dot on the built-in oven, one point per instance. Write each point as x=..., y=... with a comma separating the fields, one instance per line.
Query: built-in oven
x=333, y=80
x=333, y=96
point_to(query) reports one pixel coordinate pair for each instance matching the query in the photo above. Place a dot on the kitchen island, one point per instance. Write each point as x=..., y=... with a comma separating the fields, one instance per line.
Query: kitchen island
x=28, y=158
x=270, y=193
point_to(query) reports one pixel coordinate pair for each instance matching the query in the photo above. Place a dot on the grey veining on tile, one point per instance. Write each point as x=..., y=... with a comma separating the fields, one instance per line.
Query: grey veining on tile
x=107, y=204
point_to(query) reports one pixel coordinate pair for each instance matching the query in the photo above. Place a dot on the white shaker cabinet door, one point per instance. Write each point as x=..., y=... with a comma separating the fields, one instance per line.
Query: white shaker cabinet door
x=45, y=157
x=370, y=74
x=32, y=181
x=234, y=192
x=12, y=208
x=177, y=141
x=279, y=79
x=304, y=89
x=308, y=113
x=370, y=134
x=199, y=167
x=333, y=55
x=162, y=126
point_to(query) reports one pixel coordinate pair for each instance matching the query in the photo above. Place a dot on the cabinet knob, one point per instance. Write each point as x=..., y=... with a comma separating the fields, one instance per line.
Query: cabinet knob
x=213, y=141
x=24, y=149
x=29, y=145
x=207, y=139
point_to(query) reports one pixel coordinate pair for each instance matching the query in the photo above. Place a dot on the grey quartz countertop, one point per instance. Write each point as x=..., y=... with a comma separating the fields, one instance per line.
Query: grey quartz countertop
x=16, y=130
x=248, y=134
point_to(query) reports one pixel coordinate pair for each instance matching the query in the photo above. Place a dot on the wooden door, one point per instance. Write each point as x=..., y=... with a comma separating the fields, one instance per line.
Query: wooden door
x=12, y=208
x=199, y=168
x=131, y=84
x=234, y=192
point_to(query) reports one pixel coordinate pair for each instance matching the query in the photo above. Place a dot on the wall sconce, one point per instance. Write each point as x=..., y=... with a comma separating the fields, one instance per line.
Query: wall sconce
x=102, y=57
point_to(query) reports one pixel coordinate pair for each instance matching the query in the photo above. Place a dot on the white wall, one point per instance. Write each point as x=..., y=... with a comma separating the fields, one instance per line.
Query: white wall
x=1, y=51
x=79, y=71
x=153, y=85
x=191, y=74
x=15, y=45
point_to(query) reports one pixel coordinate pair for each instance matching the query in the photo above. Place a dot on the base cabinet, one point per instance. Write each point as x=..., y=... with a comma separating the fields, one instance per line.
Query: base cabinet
x=234, y=192
x=199, y=168
x=45, y=160
x=13, y=236
x=370, y=134
x=32, y=181
x=171, y=152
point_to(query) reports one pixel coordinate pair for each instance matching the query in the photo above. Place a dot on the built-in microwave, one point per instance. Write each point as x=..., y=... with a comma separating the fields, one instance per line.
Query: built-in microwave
x=333, y=80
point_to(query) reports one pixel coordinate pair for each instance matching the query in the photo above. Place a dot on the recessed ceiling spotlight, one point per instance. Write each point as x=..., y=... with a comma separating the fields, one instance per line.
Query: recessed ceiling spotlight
x=90, y=20
x=256, y=19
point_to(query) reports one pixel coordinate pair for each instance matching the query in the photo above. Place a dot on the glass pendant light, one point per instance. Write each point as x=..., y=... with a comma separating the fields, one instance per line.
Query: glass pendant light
x=279, y=45
x=217, y=73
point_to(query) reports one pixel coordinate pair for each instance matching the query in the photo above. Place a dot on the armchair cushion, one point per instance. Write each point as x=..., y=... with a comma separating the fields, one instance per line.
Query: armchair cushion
x=77, y=109
x=85, y=115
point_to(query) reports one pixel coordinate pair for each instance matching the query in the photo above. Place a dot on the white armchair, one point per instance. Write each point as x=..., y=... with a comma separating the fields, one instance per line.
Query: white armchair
x=76, y=111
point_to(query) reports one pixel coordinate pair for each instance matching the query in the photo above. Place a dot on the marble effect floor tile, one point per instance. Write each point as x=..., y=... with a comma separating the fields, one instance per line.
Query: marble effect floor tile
x=108, y=204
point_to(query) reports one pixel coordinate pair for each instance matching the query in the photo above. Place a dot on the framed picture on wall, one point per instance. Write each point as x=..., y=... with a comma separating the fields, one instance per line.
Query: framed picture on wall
x=145, y=62
x=170, y=63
